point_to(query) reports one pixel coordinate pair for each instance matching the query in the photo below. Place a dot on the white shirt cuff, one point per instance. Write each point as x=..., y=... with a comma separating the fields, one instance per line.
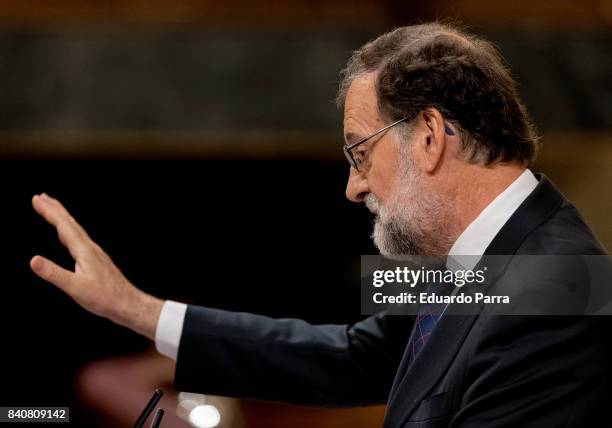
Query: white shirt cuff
x=169, y=328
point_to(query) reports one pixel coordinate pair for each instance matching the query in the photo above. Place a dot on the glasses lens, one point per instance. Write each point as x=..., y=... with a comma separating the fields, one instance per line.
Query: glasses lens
x=349, y=157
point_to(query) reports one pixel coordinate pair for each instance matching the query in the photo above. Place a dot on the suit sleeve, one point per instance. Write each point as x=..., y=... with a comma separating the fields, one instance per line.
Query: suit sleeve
x=252, y=356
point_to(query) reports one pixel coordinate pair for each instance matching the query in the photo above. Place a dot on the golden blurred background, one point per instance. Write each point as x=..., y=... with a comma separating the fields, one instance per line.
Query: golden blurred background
x=60, y=55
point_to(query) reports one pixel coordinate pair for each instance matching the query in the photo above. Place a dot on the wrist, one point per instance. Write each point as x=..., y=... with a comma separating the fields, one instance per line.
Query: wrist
x=141, y=313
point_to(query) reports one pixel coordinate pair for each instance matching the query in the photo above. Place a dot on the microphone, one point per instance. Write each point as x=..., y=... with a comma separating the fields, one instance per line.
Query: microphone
x=157, y=417
x=149, y=409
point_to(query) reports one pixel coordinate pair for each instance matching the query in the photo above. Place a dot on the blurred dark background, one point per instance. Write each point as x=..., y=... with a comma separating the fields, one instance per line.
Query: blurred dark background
x=199, y=144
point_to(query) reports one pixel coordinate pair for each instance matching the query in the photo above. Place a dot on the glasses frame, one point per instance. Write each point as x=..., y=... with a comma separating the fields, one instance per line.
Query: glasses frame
x=348, y=149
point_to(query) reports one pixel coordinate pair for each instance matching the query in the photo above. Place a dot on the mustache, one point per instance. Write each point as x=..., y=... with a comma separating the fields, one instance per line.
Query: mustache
x=372, y=203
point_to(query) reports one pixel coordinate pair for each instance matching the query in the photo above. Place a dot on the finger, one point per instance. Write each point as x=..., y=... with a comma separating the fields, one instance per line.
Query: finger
x=51, y=272
x=70, y=233
x=43, y=207
x=51, y=209
x=64, y=213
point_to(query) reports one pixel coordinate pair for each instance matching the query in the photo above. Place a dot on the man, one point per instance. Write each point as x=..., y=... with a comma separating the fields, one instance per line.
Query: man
x=439, y=144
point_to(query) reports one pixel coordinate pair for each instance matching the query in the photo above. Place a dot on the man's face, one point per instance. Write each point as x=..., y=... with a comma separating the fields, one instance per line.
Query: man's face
x=361, y=119
x=390, y=183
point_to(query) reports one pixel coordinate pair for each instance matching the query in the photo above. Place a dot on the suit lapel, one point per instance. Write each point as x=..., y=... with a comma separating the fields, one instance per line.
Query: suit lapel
x=420, y=377
x=539, y=206
x=414, y=382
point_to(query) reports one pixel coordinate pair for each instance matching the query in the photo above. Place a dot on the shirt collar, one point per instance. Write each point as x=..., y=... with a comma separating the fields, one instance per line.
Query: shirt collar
x=475, y=239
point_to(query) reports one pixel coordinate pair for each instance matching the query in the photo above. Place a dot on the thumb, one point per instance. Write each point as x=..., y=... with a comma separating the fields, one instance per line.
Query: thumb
x=51, y=272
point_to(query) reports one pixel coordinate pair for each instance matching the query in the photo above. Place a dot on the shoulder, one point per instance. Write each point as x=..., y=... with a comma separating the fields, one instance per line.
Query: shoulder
x=564, y=232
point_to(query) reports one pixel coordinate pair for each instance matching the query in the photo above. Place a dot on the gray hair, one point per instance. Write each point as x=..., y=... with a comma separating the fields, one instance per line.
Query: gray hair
x=461, y=75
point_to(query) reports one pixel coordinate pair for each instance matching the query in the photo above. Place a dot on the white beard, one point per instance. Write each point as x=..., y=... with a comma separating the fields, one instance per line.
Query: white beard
x=408, y=225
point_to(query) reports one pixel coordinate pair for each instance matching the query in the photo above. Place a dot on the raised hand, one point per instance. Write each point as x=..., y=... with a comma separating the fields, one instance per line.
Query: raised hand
x=96, y=283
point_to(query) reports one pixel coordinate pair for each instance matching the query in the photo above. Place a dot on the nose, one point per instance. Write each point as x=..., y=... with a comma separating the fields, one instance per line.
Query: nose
x=356, y=186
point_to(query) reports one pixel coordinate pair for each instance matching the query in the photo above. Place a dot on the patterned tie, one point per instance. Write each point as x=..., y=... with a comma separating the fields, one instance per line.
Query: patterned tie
x=427, y=317
x=426, y=320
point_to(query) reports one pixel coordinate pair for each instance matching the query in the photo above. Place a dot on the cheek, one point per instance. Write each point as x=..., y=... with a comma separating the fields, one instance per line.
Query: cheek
x=383, y=172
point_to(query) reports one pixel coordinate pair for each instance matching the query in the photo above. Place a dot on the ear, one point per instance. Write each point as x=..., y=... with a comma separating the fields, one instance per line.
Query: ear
x=432, y=144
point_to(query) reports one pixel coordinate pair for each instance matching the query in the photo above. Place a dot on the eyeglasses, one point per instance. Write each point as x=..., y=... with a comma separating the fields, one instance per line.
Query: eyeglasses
x=355, y=160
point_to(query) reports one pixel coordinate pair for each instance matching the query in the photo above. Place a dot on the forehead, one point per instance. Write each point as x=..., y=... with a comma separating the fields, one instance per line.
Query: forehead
x=361, y=103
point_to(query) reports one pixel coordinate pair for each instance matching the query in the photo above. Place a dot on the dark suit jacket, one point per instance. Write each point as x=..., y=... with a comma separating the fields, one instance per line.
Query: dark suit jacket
x=476, y=370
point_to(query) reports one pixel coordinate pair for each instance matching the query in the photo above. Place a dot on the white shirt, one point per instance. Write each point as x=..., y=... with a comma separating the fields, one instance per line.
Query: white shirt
x=473, y=241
